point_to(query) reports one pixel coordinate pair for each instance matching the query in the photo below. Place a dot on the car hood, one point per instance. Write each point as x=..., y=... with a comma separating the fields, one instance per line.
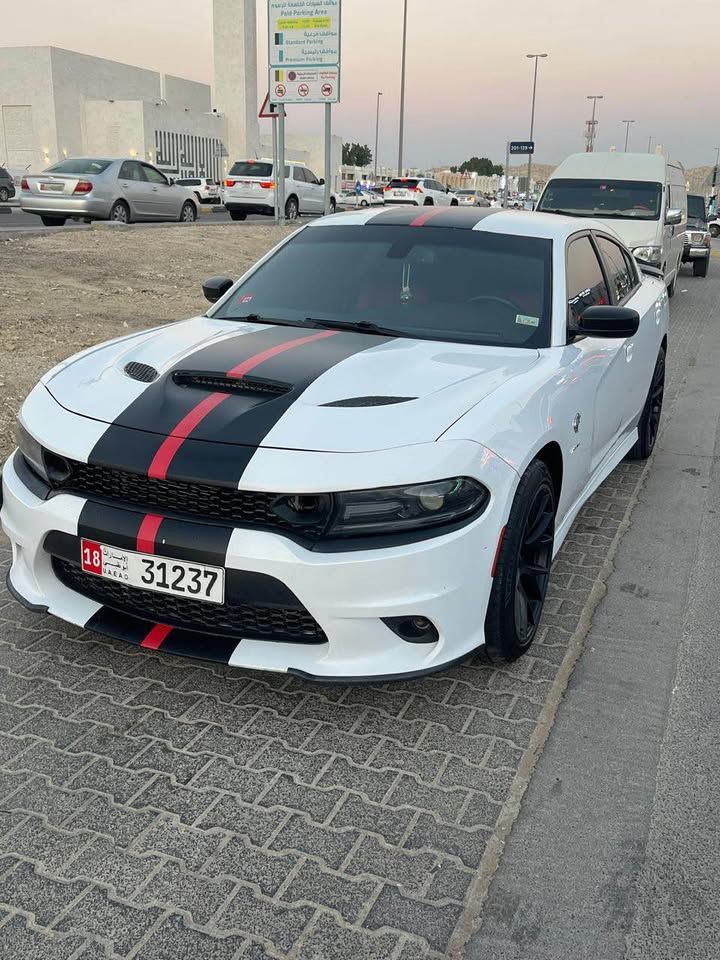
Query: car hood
x=289, y=387
x=634, y=233
x=696, y=223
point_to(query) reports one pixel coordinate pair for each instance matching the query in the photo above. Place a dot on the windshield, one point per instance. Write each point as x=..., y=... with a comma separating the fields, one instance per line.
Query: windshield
x=696, y=207
x=251, y=168
x=189, y=182
x=81, y=166
x=615, y=199
x=436, y=283
x=465, y=193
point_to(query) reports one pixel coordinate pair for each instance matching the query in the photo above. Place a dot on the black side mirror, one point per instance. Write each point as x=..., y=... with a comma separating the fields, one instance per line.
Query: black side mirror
x=321, y=181
x=608, y=321
x=171, y=181
x=216, y=287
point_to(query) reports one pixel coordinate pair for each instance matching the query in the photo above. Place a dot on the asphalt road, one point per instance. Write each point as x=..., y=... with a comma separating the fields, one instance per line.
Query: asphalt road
x=616, y=850
x=17, y=222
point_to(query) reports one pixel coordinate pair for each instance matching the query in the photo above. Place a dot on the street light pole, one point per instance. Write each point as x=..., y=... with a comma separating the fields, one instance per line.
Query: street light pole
x=535, y=57
x=627, y=131
x=377, y=128
x=650, y=140
x=402, y=91
x=715, y=170
x=591, y=138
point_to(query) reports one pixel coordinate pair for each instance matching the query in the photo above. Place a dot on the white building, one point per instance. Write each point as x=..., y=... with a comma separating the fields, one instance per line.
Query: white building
x=55, y=103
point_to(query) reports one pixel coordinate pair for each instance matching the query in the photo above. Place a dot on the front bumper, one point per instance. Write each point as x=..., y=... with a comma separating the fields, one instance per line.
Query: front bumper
x=65, y=206
x=444, y=578
x=695, y=253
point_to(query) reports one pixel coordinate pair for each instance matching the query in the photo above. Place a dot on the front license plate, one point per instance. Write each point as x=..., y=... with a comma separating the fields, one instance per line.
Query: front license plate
x=194, y=581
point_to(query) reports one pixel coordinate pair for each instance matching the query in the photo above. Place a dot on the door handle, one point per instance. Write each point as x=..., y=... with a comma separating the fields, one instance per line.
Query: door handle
x=155, y=189
x=628, y=351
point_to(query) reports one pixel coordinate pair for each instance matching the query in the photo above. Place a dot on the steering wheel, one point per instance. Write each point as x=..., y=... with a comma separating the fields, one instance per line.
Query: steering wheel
x=505, y=303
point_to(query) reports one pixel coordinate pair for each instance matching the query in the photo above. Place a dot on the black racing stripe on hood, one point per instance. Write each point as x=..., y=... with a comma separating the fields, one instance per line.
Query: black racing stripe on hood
x=163, y=404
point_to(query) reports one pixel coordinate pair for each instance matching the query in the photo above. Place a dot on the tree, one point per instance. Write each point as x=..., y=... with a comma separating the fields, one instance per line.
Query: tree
x=356, y=155
x=453, y=169
x=482, y=166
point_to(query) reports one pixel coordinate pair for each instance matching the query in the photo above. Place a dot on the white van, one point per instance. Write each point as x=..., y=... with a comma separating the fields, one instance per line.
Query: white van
x=640, y=195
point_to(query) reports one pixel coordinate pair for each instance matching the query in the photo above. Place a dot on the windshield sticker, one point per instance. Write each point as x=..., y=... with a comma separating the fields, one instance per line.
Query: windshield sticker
x=246, y=298
x=527, y=321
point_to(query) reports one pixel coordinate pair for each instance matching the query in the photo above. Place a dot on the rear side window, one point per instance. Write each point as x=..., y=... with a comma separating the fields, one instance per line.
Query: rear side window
x=252, y=168
x=81, y=166
x=131, y=170
x=585, y=281
x=190, y=182
x=621, y=276
x=403, y=182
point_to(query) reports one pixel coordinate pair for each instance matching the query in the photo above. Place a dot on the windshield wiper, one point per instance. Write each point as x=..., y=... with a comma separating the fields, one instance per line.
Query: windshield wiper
x=256, y=318
x=360, y=326
x=565, y=213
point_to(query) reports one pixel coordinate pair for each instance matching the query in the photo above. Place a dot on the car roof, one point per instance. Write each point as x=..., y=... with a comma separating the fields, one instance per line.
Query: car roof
x=523, y=223
x=615, y=166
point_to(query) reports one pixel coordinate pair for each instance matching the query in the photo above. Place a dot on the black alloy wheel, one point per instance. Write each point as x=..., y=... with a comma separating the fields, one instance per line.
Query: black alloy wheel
x=523, y=565
x=649, y=423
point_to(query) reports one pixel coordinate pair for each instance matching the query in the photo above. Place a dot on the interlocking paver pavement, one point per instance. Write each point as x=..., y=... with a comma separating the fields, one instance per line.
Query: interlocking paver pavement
x=160, y=809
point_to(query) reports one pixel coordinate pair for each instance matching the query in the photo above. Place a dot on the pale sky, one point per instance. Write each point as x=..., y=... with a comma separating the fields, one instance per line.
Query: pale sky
x=468, y=81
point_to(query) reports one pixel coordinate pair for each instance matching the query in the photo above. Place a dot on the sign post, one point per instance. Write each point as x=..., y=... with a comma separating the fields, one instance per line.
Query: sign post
x=280, y=167
x=304, y=65
x=517, y=148
x=507, y=173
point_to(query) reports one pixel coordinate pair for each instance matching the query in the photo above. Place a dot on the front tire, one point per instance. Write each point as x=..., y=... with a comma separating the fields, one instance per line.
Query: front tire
x=714, y=230
x=522, y=569
x=700, y=267
x=292, y=209
x=54, y=221
x=188, y=213
x=4, y=195
x=454, y=203
x=237, y=215
x=649, y=423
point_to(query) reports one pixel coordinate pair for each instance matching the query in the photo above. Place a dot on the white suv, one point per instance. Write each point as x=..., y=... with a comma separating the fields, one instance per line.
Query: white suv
x=249, y=187
x=421, y=191
x=205, y=189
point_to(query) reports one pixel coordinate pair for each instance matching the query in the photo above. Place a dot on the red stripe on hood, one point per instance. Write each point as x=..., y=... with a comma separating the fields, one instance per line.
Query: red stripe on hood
x=169, y=447
x=428, y=215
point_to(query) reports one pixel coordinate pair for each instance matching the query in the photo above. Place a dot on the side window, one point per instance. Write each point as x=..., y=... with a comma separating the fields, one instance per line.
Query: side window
x=152, y=175
x=298, y=174
x=310, y=176
x=585, y=281
x=129, y=171
x=620, y=277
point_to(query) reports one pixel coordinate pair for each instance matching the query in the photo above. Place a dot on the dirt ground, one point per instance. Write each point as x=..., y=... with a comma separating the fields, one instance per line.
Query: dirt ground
x=63, y=292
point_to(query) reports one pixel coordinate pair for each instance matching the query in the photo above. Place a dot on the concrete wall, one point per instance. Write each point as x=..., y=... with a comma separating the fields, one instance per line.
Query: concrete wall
x=187, y=94
x=27, y=111
x=235, y=94
x=115, y=129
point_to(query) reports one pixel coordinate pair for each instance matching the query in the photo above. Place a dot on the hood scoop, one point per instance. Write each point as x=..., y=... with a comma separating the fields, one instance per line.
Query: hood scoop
x=367, y=401
x=220, y=383
x=140, y=371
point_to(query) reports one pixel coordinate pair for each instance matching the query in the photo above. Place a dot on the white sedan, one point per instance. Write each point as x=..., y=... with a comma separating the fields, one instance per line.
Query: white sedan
x=363, y=477
x=367, y=198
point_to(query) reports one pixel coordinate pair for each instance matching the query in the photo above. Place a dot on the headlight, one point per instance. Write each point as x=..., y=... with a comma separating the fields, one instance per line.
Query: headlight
x=648, y=254
x=30, y=449
x=407, y=508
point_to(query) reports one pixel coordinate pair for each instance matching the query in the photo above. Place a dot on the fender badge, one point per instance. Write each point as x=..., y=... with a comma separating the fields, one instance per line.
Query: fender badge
x=576, y=422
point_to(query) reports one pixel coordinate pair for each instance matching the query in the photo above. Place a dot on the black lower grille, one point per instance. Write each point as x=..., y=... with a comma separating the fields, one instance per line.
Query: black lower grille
x=242, y=621
x=244, y=508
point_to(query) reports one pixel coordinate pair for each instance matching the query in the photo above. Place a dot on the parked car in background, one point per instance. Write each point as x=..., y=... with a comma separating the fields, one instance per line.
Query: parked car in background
x=714, y=226
x=91, y=188
x=471, y=198
x=7, y=186
x=205, y=189
x=697, y=247
x=365, y=199
x=420, y=191
x=250, y=188
x=641, y=195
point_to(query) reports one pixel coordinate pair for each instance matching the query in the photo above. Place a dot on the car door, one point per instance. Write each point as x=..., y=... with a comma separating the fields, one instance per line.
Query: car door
x=626, y=290
x=165, y=200
x=315, y=192
x=135, y=189
x=606, y=360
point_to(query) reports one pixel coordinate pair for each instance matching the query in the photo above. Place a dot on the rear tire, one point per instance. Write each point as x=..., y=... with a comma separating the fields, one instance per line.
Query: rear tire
x=4, y=195
x=333, y=205
x=714, y=230
x=649, y=424
x=119, y=212
x=54, y=221
x=429, y=202
x=700, y=267
x=522, y=570
x=454, y=203
x=237, y=215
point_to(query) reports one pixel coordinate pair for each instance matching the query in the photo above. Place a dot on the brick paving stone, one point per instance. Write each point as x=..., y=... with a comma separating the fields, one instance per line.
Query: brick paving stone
x=174, y=940
x=372, y=783
x=408, y=792
x=169, y=837
x=40, y=896
x=98, y=915
x=373, y=818
x=410, y=871
x=104, y=863
x=331, y=940
x=50, y=847
x=200, y=897
x=184, y=802
x=120, y=783
x=465, y=843
x=287, y=792
x=269, y=920
x=429, y=921
x=121, y=824
x=229, y=813
x=20, y=942
x=223, y=775
x=349, y=896
x=330, y=846
x=239, y=858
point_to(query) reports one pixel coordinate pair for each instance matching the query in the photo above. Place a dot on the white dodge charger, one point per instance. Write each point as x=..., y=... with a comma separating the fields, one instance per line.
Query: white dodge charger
x=360, y=462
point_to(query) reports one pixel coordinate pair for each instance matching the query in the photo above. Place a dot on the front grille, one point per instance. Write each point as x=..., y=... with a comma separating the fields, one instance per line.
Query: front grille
x=242, y=621
x=244, y=508
x=224, y=384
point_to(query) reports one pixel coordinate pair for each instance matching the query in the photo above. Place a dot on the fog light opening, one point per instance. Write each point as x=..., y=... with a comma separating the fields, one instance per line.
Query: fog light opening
x=413, y=629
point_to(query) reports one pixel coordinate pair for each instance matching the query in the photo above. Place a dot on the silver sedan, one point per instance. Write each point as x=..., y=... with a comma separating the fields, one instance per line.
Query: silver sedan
x=89, y=188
